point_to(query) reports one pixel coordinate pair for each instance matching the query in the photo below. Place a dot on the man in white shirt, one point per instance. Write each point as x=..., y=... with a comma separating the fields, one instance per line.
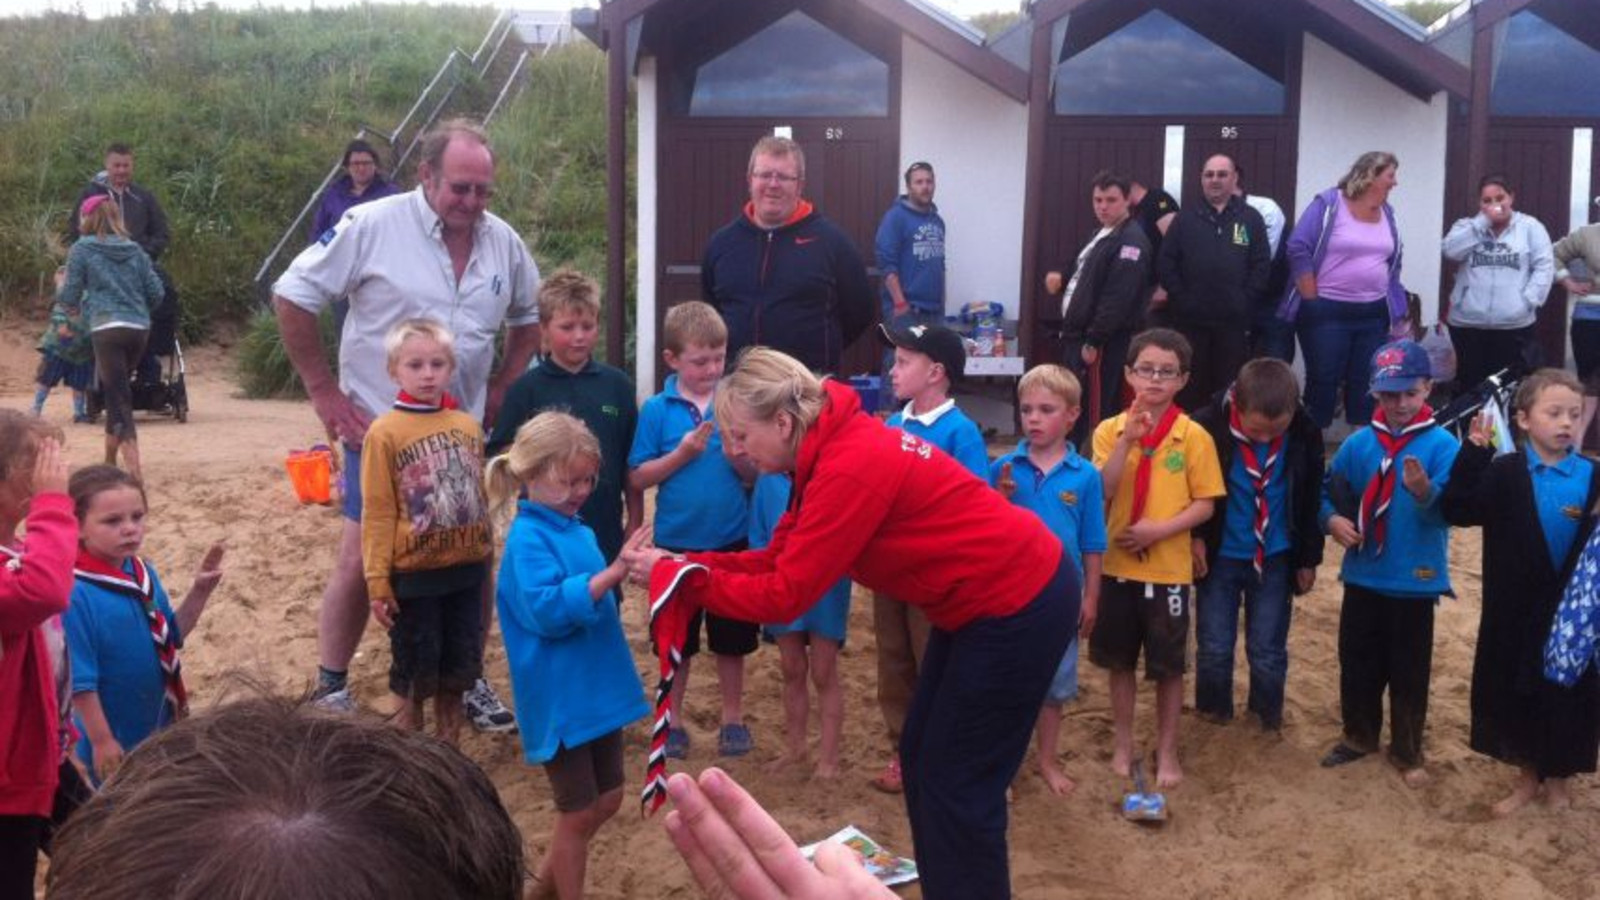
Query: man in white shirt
x=1270, y=336
x=437, y=253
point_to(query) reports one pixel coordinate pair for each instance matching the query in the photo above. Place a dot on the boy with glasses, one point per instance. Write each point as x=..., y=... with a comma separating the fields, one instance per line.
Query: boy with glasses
x=1161, y=478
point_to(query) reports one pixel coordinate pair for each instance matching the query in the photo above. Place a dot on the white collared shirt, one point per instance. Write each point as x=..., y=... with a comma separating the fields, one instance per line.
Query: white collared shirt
x=928, y=418
x=389, y=258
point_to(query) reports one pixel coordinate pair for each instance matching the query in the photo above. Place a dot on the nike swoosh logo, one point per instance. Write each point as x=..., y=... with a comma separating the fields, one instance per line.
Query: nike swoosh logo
x=804, y=240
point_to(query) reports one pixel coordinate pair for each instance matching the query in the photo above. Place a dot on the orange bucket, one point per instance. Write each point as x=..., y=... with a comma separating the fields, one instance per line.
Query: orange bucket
x=311, y=473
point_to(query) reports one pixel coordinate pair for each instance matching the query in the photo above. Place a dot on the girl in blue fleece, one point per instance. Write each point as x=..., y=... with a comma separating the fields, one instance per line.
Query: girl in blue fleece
x=572, y=674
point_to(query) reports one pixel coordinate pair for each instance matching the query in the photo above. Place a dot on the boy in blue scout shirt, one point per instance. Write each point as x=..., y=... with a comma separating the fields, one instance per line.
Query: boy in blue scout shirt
x=1381, y=503
x=1046, y=475
x=570, y=380
x=702, y=503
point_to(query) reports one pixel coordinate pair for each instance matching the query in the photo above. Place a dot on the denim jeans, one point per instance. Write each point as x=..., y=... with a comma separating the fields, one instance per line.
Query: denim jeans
x=914, y=316
x=1271, y=336
x=1267, y=609
x=1339, y=340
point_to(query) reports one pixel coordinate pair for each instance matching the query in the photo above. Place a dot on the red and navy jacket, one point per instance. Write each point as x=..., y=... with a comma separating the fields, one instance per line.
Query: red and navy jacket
x=897, y=516
x=800, y=288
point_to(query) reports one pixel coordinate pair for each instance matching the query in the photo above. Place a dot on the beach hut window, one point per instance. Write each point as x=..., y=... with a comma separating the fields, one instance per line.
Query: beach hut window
x=794, y=67
x=1540, y=70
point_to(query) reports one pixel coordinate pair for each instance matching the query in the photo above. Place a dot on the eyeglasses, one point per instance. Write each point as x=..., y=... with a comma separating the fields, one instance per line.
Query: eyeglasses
x=770, y=175
x=1151, y=373
x=463, y=188
x=1222, y=174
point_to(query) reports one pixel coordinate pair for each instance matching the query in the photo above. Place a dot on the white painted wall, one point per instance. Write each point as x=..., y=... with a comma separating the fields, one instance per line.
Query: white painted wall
x=977, y=140
x=1346, y=110
x=644, y=318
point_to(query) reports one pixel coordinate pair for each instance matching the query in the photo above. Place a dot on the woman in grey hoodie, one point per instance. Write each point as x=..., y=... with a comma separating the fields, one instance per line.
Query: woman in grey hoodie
x=1506, y=269
x=111, y=279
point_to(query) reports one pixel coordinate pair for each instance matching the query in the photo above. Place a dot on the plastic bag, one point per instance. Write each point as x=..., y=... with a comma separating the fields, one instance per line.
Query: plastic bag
x=1500, y=434
x=1441, y=352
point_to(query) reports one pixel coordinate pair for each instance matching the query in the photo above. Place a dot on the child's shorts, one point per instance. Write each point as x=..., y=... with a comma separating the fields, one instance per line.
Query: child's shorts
x=437, y=644
x=54, y=370
x=725, y=637
x=1137, y=615
x=350, y=482
x=1064, y=686
x=580, y=775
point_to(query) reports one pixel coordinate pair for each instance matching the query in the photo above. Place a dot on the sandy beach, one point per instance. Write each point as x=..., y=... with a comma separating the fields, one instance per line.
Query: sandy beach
x=1256, y=816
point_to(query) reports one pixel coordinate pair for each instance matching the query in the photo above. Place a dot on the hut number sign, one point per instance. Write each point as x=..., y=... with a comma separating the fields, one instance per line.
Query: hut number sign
x=1230, y=132
x=833, y=133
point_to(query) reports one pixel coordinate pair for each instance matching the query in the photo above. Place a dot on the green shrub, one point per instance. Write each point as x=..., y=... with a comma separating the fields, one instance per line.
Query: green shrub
x=264, y=369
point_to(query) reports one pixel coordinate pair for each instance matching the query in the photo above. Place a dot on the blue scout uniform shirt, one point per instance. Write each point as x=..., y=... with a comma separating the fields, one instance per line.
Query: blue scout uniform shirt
x=572, y=674
x=769, y=500
x=703, y=505
x=1239, y=522
x=1415, y=559
x=1069, y=498
x=113, y=655
x=948, y=428
x=1559, y=492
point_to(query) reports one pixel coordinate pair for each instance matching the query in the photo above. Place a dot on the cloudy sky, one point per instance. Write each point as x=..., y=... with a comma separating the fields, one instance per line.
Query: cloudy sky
x=97, y=8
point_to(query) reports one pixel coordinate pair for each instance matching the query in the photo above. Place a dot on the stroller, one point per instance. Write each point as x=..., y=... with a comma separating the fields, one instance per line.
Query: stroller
x=158, y=382
x=1493, y=393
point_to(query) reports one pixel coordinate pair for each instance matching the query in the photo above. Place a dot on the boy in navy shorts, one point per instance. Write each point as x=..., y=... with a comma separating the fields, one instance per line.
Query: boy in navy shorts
x=701, y=502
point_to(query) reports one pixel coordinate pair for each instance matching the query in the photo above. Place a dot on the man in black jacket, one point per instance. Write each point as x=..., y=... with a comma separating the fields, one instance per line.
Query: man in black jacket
x=1103, y=302
x=1214, y=264
x=781, y=275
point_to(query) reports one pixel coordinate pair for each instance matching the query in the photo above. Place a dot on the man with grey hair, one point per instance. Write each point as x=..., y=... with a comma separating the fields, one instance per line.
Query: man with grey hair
x=781, y=274
x=435, y=252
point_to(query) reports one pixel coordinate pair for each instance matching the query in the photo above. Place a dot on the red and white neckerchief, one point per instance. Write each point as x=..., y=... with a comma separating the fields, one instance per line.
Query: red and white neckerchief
x=1147, y=451
x=1260, y=472
x=407, y=402
x=672, y=608
x=141, y=587
x=1380, y=490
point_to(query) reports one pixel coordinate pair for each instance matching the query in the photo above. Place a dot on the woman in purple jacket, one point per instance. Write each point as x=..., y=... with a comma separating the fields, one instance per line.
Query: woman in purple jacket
x=360, y=183
x=1344, y=293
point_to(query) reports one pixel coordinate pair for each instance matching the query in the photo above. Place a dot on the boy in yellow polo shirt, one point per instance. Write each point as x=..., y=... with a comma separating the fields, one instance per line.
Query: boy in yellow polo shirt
x=1161, y=475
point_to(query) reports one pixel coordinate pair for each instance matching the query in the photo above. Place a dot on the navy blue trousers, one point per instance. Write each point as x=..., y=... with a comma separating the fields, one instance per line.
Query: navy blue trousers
x=977, y=700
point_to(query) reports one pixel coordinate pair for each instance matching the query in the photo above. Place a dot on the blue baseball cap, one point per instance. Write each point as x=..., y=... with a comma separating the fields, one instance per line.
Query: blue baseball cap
x=1399, y=365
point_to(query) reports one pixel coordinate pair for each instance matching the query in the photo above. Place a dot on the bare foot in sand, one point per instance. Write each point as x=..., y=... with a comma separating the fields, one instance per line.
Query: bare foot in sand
x=1416, y=778
x=1169, y=773
x=1527, y=788
x=1059, y=783
x=1122, y=761
x=1556, y=794
x=785, y=763
x=826, y=771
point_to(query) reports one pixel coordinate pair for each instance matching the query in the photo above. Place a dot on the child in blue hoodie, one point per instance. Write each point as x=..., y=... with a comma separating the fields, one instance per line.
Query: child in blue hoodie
x=1381, y=503
x=572, y=674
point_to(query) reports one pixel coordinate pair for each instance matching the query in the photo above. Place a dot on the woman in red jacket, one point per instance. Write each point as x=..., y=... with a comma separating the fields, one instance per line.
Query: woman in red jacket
x=898, y=516
x=35, y=582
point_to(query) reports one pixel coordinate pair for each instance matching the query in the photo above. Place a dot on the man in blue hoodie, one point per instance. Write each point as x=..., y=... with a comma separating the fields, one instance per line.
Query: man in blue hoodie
x=780, y=274
x=910, y=251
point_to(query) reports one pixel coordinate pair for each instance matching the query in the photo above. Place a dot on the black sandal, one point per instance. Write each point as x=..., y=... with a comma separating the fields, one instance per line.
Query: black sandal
x=1341, y=754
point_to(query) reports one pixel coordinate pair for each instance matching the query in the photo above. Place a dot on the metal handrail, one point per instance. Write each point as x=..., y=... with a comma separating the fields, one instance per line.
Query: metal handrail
x=505, y=90
x=497, y=34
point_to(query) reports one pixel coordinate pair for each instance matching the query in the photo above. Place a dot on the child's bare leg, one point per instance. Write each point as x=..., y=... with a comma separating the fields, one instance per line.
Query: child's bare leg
x=1124, y=689
x=1522, y=793
x=1557, y=793
x=830, y=702
x=1169, y=705
x=567, y=862
x=796, y=702
x=447, y=717
x=1048, y=730
x=730, y=672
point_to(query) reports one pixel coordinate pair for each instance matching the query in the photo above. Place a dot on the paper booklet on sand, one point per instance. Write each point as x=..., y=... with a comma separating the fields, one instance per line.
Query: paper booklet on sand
x=884, y=866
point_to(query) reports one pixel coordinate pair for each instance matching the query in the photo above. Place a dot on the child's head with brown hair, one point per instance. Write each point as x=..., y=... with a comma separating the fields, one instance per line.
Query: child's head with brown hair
x=552, y=450
x=1266, y=395
x=569, y=317
x=1158, y=367
x=695, y=346
x=1549, y=408
x=1049, y=399
x=20, y=435
x=110, y=505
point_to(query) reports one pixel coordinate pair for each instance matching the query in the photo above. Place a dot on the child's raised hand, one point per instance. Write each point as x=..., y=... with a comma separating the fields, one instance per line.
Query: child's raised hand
x=1006, y=484
x=1415, y=478
x=49, y=468
x=1480, y=433
x=1305, y=580
x=1197, y=553
x=107, y=758
x=210, y=573
x=384, y=609
x=695, y=442
x=1138, y=424
x=1344, y=531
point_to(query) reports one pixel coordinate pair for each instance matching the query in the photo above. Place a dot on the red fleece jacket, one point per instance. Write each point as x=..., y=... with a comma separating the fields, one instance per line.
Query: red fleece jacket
x=34, y=586
x=896, y=515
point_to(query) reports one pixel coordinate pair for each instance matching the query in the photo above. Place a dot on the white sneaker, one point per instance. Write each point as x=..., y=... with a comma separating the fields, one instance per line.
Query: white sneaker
x=338, y=701
x=484, y=708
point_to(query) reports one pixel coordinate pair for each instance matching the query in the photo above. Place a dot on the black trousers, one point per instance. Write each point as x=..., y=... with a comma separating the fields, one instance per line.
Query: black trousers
x=1481, y=352
x=20, y=837
x=1219, y=351
x=1385, y=642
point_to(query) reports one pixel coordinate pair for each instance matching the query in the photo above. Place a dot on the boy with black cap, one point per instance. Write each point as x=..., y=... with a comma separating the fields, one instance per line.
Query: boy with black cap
x=1381, y=503
x=928, y=359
